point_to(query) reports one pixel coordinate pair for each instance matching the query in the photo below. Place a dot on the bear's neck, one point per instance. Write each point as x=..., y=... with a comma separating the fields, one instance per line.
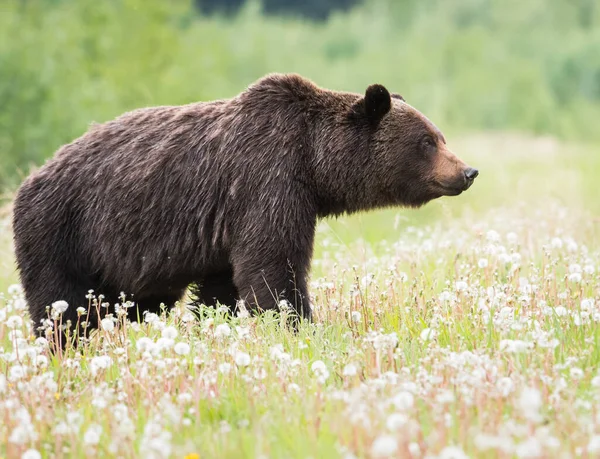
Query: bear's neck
x=344, y=179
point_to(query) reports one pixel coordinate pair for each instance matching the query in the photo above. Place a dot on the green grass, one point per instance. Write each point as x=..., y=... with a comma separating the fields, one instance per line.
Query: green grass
x=508, y=368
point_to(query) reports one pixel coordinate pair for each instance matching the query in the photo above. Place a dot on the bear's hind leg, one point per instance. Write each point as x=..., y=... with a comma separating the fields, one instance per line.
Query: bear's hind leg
x=52, y=285
x=216, y=289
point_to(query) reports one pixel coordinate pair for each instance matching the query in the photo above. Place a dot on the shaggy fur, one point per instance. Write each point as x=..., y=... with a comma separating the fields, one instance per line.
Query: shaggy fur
x=225, y=194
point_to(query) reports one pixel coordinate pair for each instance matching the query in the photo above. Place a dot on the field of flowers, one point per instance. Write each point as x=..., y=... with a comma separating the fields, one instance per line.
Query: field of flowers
x=466, y=335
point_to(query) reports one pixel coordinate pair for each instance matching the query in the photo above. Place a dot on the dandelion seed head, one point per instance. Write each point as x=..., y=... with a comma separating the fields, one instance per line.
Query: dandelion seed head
x=242, y=359
x=169, y=333
x=222, y=331
x=384, y=446
x=350, y=370
x=60, y=306
x=108, y=324
x=181, y=348
x=31, y=454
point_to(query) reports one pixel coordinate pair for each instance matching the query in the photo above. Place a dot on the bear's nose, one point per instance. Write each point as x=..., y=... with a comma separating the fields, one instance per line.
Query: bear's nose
x=471, y=173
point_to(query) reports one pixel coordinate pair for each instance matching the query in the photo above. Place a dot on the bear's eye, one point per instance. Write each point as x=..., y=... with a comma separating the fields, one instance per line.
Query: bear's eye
x=428, y=143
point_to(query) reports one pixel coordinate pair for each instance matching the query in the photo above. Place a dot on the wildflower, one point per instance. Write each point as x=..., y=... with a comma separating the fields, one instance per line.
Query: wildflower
x=41, y=361
x=320, y=370
x=242, y=359
x=14, y=322
x=576, y=373
x=444, y=397
x=504, y=258
x=445, y=296
x=384, y=446
x=225, y=368
x=403, y=400
x=222, y=331
x=515, y=346
x=293, y=387
x=589, y=269
x=575, y=277
x=356, y=316
x=529, y=448
x=505, y=385
x=575, y=268
x=452, y=452
x=101, y=362
x=59, y=306
x=155, y=441
x=556, y=243
x=512, y=237
x=492, y=236
x=242, y=332
x=284, y=305
x=587, y=304
x=144, y=344
x=530, y=403
x=165, y=343
x=350, y=370
x=14, y=289
x=560, y=311
x=31, y=454
x=482, y=263
x=594, y=444
x=192, y=456
x=461, y=286
x=108, y=324
x=414, y=449
x=17, y=372
x=182, y=348
x=259, y=373
x=150, y=317
x=92, y=435
x=428, y=334
x=276, y=352
x=169, y=333
x=571, y=245
x=318, y=365
x=395, y=421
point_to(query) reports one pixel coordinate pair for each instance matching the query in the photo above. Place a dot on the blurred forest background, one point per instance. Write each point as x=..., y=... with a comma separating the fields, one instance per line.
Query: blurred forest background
x=470, y=65
x=513, y=84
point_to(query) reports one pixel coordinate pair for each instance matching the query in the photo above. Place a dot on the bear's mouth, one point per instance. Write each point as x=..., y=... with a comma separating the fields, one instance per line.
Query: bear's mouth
x=447, y=190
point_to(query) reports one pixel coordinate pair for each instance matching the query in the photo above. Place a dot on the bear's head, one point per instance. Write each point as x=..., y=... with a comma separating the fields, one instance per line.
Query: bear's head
x=411, y=161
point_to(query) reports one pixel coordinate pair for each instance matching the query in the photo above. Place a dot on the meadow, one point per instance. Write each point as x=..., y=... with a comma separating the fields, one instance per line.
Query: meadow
x=466, y=328
x=463, y=329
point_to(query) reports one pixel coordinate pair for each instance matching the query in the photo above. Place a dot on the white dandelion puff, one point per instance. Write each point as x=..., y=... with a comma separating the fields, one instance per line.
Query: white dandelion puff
x=384, y=446
x=169, y=332
x=242, y=359
x=60, y=306
x=182, y=348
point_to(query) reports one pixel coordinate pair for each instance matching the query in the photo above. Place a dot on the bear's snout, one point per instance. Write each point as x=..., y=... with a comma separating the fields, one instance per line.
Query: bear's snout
x=470, y=176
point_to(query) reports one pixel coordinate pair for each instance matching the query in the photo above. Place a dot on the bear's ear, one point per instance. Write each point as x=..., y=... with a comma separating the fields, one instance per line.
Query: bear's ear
x=397, y=96
x=377, y=102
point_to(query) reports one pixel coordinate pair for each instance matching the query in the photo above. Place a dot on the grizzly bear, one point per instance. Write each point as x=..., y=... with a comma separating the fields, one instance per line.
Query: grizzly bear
x=223, y=194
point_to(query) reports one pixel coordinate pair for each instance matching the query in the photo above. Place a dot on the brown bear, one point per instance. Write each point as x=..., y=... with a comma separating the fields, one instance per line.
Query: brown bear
x=224, y=194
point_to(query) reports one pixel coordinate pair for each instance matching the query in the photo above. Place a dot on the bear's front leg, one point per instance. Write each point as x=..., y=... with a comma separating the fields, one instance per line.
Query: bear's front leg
x=268, y=272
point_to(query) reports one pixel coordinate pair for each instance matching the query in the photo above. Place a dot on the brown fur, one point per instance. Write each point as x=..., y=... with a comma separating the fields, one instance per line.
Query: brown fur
x=225, y=194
